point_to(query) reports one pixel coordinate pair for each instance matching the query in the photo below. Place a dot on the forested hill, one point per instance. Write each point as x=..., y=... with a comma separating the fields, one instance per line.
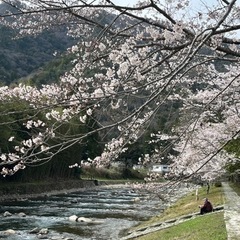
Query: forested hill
x=21, y=57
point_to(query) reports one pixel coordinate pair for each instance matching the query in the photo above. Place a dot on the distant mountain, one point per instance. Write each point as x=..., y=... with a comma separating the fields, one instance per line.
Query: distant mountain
x=32, y=56
x=20, y=57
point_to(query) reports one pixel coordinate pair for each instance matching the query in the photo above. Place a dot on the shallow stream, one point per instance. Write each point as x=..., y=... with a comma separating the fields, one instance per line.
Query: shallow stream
x=110, y=210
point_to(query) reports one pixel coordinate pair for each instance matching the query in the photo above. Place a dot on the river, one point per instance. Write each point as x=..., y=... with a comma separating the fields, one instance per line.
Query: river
x=110, y=211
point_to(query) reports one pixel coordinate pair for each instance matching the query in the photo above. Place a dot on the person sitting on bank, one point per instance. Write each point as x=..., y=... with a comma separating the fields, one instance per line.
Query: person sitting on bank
x=206, y=207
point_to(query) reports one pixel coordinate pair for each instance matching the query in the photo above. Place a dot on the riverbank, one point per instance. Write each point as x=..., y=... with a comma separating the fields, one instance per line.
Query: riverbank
x=107, y=209
x=164, y=198
x=12, y=191
x=182, y=220
x=17, y=191
x=180, y=207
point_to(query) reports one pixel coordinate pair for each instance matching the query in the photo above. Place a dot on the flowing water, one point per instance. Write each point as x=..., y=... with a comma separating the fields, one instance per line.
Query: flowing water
x=110, y=210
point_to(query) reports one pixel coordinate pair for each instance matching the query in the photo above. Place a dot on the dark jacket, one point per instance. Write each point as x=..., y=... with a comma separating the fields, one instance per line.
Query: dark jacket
x=208, y=206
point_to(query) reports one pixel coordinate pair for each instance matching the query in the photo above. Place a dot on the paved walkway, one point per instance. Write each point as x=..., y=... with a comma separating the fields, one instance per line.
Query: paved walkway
x=232, y=212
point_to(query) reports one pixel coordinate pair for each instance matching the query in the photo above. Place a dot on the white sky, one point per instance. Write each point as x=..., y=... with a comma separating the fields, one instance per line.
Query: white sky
x=193, y=3
x=131, y=2
x=194, y=7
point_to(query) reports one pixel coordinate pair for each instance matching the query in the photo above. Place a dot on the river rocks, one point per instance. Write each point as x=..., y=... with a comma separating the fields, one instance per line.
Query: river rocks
x=83, y=219
x=38, y=231
x=43, y=231
x=9, y=232
x=22, y=214
x=75, y=218
x=6, y=233
x=60, y=238
x=136, y=199
x=34, y=230
x=74, y=201
x=7, y=214
x=98, y=213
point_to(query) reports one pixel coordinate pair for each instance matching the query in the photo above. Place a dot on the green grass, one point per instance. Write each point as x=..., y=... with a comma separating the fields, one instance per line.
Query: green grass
x=209, y=226
x=188, y=204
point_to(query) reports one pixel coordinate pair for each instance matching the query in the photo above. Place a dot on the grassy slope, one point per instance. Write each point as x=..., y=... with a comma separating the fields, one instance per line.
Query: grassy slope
x=209, y=226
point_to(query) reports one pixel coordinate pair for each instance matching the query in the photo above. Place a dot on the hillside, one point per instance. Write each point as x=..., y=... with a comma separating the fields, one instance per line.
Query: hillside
x=20, y=57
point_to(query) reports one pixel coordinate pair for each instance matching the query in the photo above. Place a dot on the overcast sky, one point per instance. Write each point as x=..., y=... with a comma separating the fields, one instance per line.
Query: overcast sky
x=193, y=3
x=131, y=2
x=195, y=6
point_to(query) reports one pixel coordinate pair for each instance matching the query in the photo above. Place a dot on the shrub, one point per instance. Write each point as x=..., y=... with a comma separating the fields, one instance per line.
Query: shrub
x=218, y=184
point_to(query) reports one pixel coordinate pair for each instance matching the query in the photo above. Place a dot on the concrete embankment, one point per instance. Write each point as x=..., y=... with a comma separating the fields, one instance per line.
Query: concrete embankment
x=17, y=191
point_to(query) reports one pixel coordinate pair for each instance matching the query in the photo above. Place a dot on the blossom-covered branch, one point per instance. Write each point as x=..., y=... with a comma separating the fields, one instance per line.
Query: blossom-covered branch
x=128, y=63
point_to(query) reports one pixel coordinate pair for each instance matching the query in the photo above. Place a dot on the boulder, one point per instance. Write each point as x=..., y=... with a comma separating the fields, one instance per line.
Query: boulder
x=43, y=231
x=83, y=219
x=136, y=199
x=9, y=232
x=22, y=214
x=34, y=230
x=75, y=218
x=7, y=214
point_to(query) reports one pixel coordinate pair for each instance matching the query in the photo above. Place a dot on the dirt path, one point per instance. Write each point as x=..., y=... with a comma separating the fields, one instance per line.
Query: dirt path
x=232, y=212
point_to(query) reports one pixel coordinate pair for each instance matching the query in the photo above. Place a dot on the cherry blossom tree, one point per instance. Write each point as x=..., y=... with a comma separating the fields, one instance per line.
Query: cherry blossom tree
x=129, y=61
